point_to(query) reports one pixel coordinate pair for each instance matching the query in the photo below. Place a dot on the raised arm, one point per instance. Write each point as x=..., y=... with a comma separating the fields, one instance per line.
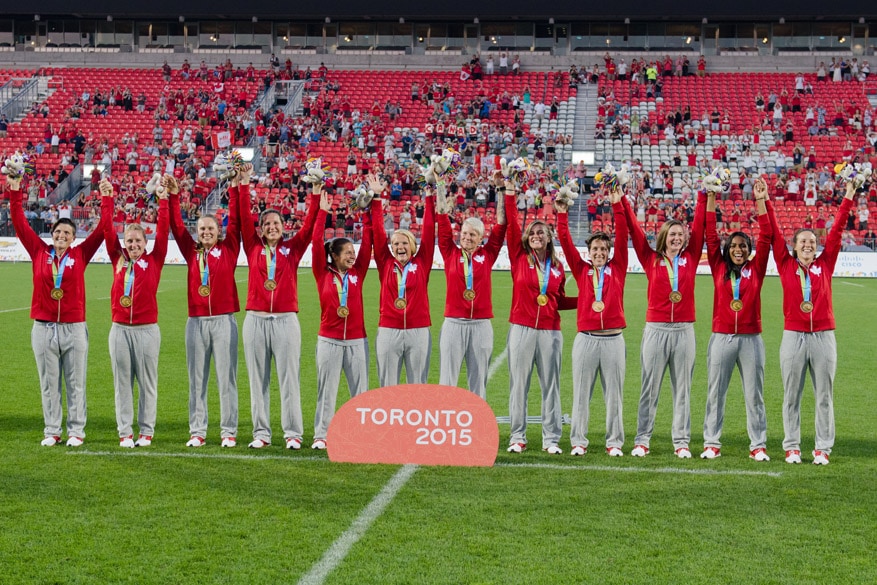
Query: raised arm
x=159, y=249
x=107, y=209
x=29, y=238
x=365, y=246
x=713, y=246
x=181, y=234
x=640, y=244
x=695, y=242
x=426, y=251
x=513, y=230
x=247, y=219
x=445, y=236
x=312, y=220
x=621, y=229
x=573, y=258
x=319, y=263
x=765, y=230
x=832, y=244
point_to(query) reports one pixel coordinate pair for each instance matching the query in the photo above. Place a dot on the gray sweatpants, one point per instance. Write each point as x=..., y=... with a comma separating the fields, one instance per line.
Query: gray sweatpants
x=818, y=353
x=61, y=349
x=215, y=337
x=746, y=352
x=666, y=346
x=542, y=348
x=469, y=339
x=278, y=336
x=395, y=346
x=333, y=357
x=134, y=353
x=592, y=355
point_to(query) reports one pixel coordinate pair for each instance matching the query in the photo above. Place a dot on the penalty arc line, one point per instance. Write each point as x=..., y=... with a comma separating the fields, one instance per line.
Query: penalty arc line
x=342, y=545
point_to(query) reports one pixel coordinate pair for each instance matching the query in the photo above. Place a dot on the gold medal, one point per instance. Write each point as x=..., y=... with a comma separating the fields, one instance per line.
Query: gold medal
x=343, y=312
x=400, y=303
x=598, y=306
x=736, y=305
x=542, y=300
x=204, y=290
x=675, y=296
x=469, y=294
x=270, y=284
x=806, y=306
x=57, y=294
x=126, y=301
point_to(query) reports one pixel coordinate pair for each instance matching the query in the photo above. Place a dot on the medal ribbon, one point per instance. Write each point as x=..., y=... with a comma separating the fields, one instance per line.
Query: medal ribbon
x=735, y=286
x=467, y=269
x=804, y=274
x=129, y=278
x=341, y=285
x=58, y=271
x=401, y=277
x=543, y=273
x=673, y=273
x=204, y=267
x=270, y=262
x=598, y=284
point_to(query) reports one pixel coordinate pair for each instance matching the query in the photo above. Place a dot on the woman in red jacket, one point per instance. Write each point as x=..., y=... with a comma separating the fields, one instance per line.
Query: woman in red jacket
x=59, y=336
x=808, y=333
x=736, y=338
x=134, y=335
x=342, y=344
x=271, y=327
x=211, y=330
x=668, y=337
x=599, y=346
x=534, y=337
x=403, y=328
x=467, y=332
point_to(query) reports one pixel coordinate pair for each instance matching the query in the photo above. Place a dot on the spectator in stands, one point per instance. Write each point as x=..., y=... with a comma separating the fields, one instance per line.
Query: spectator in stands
x=403, y=328
x=736, y=338
x=534, y=337
x=211, y=330
x=271, y=327
x=342, y=344
x=134, y=335
x=668, y=337
x=60, y=335
x=599, y=346
x=808, y=334
x=467, y=333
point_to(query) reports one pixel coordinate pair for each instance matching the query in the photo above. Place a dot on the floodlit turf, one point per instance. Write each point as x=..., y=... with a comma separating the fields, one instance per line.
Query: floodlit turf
x=168, y=514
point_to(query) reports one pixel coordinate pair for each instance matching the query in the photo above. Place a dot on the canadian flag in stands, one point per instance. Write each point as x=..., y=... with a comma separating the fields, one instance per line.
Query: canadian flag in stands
x=221, y=140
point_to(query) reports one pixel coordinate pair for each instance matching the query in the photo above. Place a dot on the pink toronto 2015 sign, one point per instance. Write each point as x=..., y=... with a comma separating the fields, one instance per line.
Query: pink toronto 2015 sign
x=423, y=424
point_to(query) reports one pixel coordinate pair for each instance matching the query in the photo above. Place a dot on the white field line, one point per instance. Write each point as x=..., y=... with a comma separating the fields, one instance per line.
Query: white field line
x=14, y=310
x=336, y=553
x=497, y=363
x=671, y=470
x=194, y=454
x=852, y=284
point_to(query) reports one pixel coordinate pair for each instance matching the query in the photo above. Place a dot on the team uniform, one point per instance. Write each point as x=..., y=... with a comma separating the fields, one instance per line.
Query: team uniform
x=59, y=337
x=342, y=343
x=599, y=346
x=668, y=337
x=467, y=332
x=271, y=327
x=534, y=338
x=211, y=330
x=134, y=337
x=403, y=327
x=736, y=337
x=808, y=335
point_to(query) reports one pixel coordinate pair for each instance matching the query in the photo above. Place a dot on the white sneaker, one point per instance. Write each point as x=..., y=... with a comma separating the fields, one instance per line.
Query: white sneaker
x=293, y=443
x=709, y=453
x=793, y=456
x=50, y=441
x=74, y=442
x=820, y=457
x=257, y=444
x=319, y=444
x=195, y=441
x=553, y=450
x=683, y=453
x=639, y=451
x=759, y=454
x=578, y=450
x=229, y=442
x=614, y=452
x=143, y=441
x=517, y=448
x=127, y=442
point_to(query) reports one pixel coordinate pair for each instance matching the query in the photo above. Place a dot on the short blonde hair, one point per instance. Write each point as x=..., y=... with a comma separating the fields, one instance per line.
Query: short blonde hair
x=410, y=236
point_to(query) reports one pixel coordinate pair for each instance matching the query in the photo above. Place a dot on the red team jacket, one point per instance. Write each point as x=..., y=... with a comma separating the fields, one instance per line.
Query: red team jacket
x=146, y=271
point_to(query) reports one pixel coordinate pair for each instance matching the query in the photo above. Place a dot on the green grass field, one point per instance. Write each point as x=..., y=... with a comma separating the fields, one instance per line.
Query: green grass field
x=168, y=514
